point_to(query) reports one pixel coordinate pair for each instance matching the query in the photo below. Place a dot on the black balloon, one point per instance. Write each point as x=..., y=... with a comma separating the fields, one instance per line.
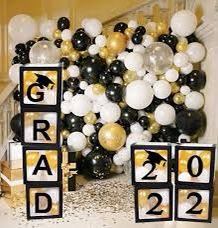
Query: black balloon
x=16, y=126
x=114, y=92
x=98, y=164
x=16, y=95
x=144, y=122
x=191, y=122
x=20, y=48
x=128, y=116
x=172, y=41
x=196, y=79
x=106, y=77
x=93, y=139
x=65, y=62
x=182, y=80
x=163, y=38
x=15, y=60
x=169, y=134
x=73, y=122
x=81, y=41
x=137, y=38
x=29, y=44
x=58, y=43
x=63, y=23
x=192, y=38
x=120, y=27
x=24, y=58
x=72, y=83
x=117, y=67
x=42, y=38
x=141, y=30
x=78, y=91
x=98, y=126
x=91, y=69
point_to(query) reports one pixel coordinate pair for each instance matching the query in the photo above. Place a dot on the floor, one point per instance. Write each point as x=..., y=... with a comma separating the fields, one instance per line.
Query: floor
x=97, y=204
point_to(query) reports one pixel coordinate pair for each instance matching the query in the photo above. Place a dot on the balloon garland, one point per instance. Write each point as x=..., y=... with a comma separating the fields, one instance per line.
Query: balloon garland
x=136, y=83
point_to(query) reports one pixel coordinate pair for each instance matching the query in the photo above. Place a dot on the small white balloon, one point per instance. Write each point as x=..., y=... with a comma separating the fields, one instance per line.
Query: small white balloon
x=86, y=151
x=102, y=99
x=93, y=27
x=89, y=92
x=162, y=89
x=76, y=141
x=139, y=48
x=134, y=61
x=96, y=108
x=133, y=138
x=110, y=112
x=93, y=49
x=130, y=44
x=68, y=96
x=185, y=90
x=185, y=137
x=88, y=129
x=73, y=71
x=139, y=94
x=14, y=73
x=187, y=69
x=124, y=154
x=66, y=34
x=141, y=72
x=47, y=28
x=181, y=59
x=132, y=24
x=81, y=105
x=151, y=78
x=117, y=160
x=194, y=100
x=171, y=75
x=101, y=40
x=165, y=114
x=136, y=128
x=196, y=52
x=147, y=40
x=183, y=23
x=118, y=80
x=121, y=56
x=148, y=135
x=83, y=85
x=65, y=107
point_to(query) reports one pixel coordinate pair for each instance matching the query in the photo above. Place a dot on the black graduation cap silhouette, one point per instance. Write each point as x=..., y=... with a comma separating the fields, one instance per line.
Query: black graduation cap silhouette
x=155, y=158
x=44, y=81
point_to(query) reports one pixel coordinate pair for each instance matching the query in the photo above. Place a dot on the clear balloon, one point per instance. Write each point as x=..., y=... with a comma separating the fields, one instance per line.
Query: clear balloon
x=158, y=58
x=44, y=52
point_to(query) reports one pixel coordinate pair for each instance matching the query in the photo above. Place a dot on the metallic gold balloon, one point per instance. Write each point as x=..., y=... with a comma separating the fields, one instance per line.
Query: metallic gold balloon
x=162, y=77
x=65, y=133
x=90, y=118
x=66, y=47
x=98, y=89
x=129, y=76
x=32, y=157
x=116, y=42
x=174, y=87
x=154, y=128
x=52, y=158
x=74, y=55
x=129, y=32
x=57, y=34
x=103, y=52
x=150, y=116
x=122, y=104
x=140, y=157
x=154, y=34
x=178, y=98
x=54, y=209
x=112, y=136
x=161, y=28
x=65, y=74
x=143, y=197
x=110, y=59
x=181, y=46
x=205, y=157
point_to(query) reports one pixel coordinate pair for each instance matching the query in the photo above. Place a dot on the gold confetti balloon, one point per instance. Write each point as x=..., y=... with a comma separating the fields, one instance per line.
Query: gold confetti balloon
x=112, y=136
x=174, y=87
x=32, y=158
x=154, y=128
x=65, y=133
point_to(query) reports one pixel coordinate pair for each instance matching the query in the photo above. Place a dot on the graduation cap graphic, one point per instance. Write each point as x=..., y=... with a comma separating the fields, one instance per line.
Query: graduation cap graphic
x=155, y=158
x=44, y=81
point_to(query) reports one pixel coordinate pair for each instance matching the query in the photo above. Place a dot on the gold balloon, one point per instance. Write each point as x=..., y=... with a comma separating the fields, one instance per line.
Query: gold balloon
x=129, y=32
x=140, y=157
x=52, y=157
x=98, y=89
x=90, y=118
x=57, y=34
x=32, y=157
x=143, y=197
x=176, y=68
x=54, y=209
x=122, y=104
x=178, y=98
x=175, y=87
x=154, y=128
x=154, y=34
x=205, y=157
x=129, y=76
x=112, y=136
x=162, y=77
x=66, y=47
x=181, y=46
x=110, y=59
x=161, y=28
x=74, y=55
x=116, y=42
x=65, y=74
x=103, y=52
x=65, y=133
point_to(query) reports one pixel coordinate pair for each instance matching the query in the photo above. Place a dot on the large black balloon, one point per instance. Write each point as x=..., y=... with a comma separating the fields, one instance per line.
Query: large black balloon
x=117, y=67
x=73, y=122
x=63, y=23
x=128, y=116
x=114, y=92
x=98, y=164
x=16, y=126
x=169, y=134
x=81, y=41
x=106, y=77
x=91, y=68
x=196, y=79
x=191, y=122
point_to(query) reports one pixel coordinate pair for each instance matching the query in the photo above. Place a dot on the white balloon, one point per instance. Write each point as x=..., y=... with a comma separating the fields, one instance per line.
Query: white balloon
x=148, y=135
x=44, y=52
x=73, y=71
x=124, y=154
x=183, y=23
x=65, y=107
x=162, y=89
x=101, y=40
x=76, y=141
x=88, y=129
x=187, y=69
x=181, y=59
x=139, y=48
x=81, y=105
x=102, y=99
x=147, y=40
x=151, y=78
x=141, y=72
x=194, y=100
x=110, y=112
x=22, y=28
x=66, y=34
x=117, y=160
x=118, y=80
x=86, y=151
x=96, y=108
x=135, y=138
x=132, y=24
x=11, y=48
x=171, y=75
x=89, y=92
x=165, y=114
x=133, y=61
x=121, y=56
x=196, y=52
x=185, y=90
x=93, y=27
x=184, y=137
x=14, y=73
x=139, y=94
x=68, y=96
x=93, y=49
x=136, y=128
x=83, y=85
x=130, y=44
x=47, y=28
